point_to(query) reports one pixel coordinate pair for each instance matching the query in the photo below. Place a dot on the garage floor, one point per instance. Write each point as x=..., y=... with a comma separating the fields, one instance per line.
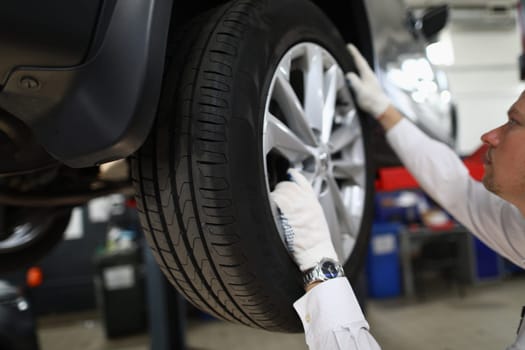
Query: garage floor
x=484, y=80
x=486, y=318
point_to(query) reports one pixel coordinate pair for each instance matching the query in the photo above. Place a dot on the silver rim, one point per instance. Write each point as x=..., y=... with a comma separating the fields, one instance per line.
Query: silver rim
x=25, y=234
x=22, y=235
x=311, y=121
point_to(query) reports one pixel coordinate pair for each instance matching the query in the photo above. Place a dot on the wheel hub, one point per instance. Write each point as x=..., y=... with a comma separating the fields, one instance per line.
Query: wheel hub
x=323, y=162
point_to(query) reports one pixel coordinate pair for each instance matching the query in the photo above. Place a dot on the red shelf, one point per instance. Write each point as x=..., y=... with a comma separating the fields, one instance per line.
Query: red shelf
x=397, y=178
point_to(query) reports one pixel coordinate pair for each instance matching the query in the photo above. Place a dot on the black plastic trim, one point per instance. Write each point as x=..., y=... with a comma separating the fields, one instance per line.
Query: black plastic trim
x=20, y=153
x=103, y=109
x=51, y=33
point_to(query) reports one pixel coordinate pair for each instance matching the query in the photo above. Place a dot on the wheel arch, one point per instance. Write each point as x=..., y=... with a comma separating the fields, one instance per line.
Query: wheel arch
x=351, y=19
x=81, y=114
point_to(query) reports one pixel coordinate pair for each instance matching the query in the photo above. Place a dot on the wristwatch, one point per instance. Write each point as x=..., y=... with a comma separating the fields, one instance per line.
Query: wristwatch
x=324, y=270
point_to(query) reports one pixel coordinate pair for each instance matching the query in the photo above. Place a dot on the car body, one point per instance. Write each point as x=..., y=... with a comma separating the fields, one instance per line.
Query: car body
x=52, y=75
x=419, y=89
x=494, y=5
x=208, y=106
x=17, y=323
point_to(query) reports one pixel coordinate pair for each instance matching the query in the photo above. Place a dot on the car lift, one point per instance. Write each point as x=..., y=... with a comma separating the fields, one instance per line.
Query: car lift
x=166, y=308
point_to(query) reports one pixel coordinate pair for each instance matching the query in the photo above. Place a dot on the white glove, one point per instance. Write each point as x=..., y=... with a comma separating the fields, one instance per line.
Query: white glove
x=307, y=234
x=370, y=95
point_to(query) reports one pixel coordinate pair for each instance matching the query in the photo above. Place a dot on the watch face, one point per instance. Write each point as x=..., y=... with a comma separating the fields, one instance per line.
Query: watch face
x=329, y=269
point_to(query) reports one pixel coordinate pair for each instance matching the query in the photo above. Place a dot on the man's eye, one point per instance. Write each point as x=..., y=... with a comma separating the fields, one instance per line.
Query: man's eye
x=512, y=122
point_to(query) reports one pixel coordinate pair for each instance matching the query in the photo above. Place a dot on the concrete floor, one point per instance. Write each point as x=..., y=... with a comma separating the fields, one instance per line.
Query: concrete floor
x=486, y=318
x=484, y=80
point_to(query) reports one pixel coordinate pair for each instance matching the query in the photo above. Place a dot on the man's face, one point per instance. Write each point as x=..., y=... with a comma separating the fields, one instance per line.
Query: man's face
x=505, y=158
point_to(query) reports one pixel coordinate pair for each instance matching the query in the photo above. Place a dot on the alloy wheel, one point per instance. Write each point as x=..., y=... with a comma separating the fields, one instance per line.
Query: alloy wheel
x=311, y=124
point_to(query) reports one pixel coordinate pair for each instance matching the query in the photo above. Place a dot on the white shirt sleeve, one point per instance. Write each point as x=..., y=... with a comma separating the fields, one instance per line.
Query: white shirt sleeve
x=442, y=174
x=332, y=318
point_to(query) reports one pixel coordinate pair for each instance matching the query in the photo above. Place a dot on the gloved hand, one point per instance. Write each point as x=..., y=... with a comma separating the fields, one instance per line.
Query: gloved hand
x=307, y=234
x=369, y=93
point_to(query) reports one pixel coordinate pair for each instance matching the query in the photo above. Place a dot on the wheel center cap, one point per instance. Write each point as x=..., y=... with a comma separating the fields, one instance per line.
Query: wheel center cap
x=323, y=161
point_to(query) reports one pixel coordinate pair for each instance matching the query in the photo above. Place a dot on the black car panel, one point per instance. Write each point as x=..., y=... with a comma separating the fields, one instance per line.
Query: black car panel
x=33, y=33
x=101, y=110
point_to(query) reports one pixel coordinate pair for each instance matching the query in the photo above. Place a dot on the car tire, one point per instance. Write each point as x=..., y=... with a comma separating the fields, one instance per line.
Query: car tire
x=44, y=229
x=203, y=178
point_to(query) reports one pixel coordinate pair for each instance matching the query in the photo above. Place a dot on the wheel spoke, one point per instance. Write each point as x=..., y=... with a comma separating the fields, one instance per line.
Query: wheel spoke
x=330, y=87
x=313, y=87
x=348, y=168
x=330, y=211
x=345, y=134
x=291, y=107
x=342, y=211
x=280, y=137
x=357, y=155
x=317, y=185
x=353, y=199
x=284, y=67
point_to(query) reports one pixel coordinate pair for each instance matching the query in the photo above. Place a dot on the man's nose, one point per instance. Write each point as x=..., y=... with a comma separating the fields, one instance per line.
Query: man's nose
x=491, y=137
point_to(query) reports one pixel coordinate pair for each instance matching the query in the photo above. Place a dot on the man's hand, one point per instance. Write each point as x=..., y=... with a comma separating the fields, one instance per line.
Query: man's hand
x=306, y=231
x=369, y=93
